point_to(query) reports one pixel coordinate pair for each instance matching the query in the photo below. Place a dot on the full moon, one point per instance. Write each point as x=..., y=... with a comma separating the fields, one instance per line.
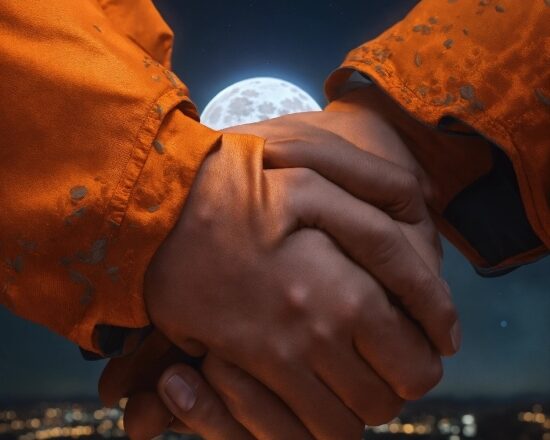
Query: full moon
x=256, y=99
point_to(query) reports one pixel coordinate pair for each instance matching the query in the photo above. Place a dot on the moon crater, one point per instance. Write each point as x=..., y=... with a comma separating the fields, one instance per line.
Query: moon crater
x=254, y=100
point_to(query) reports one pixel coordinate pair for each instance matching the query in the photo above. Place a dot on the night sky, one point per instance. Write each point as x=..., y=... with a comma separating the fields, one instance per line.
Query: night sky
x=506, y=320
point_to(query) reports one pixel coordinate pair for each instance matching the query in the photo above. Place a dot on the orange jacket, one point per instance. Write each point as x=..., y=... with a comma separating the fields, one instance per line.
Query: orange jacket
x=100, y=143
x=464, y=67
x=99, y=146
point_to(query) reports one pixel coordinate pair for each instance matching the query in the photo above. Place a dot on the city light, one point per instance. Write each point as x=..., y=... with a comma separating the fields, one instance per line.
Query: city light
x=87, y=420
x=61, y=422
x=463, y=426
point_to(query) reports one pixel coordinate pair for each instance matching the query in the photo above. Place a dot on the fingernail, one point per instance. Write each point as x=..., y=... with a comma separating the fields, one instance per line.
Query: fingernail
x=456, y=335
x=180, y=393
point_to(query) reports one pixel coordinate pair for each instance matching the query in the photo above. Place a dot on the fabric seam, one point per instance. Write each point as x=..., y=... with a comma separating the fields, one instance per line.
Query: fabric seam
x=518, y=163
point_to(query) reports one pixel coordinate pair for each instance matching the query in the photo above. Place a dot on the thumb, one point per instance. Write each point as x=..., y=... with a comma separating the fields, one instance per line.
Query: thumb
x=141, y=370
x=194, y=403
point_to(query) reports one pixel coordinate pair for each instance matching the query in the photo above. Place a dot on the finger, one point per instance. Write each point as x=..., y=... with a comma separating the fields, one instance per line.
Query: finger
x=318, y=408
x=189, y=397
x=330, y=147
x=385, y=334
x=388, y=341
x=342, y=150
x=396, y=183
x=122, y=375
x=146, y=417
x=114, y=383
x=365, y=126
x=142, y=369
x=366, y=176
x=264, y=415
x=375, y=242
x=360, y=387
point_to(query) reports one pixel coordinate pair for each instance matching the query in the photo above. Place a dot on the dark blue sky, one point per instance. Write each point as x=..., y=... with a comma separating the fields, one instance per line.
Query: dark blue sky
x=506, y=325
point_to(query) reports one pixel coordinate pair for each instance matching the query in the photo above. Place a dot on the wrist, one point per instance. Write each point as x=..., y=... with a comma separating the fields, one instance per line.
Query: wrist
x=377, y=109
x=356, y=99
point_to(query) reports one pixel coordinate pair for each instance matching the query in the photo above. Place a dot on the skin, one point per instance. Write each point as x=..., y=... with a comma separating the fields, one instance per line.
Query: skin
x=293, y=359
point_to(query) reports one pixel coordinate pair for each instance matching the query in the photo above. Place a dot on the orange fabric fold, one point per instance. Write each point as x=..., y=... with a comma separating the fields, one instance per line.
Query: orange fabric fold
x=485, y=64
x=99, y=147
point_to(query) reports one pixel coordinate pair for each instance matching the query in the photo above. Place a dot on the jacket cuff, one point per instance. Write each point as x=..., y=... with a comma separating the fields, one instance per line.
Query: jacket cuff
x=477, y=202
x=145, y=206
x=440, y=65
x=443, y=63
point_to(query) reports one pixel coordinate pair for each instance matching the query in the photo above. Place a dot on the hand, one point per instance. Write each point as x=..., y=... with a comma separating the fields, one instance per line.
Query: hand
x=245, y=402
x=350, y=125
x=145, y=415
x=409, y=204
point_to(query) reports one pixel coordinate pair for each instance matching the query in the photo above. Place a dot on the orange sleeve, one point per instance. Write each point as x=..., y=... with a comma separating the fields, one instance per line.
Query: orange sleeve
x=99, y=148
x=459, y=68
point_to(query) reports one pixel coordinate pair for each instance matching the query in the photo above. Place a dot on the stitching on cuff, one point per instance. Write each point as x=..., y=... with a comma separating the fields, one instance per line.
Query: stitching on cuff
x=118, y=204
x=378, y=77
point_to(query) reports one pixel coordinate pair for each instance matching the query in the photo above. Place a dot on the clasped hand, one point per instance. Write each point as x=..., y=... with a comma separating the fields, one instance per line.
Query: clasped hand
x=307, y=274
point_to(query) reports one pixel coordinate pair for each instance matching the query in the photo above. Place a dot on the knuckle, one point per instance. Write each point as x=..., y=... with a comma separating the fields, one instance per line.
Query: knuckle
x=204, y=216
x=283, y=356
x=296, y=296
x=280, y=353
x=322, y=334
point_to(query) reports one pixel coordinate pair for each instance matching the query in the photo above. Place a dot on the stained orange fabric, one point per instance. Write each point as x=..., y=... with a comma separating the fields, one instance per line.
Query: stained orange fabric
x=99, y=146
x=486, y=64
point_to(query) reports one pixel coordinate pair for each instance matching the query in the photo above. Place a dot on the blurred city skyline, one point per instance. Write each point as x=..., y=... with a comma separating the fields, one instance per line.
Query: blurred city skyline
x=428, y=419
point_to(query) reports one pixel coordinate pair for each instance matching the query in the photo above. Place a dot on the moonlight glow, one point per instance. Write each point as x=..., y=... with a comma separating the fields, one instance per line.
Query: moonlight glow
x=256, y=99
